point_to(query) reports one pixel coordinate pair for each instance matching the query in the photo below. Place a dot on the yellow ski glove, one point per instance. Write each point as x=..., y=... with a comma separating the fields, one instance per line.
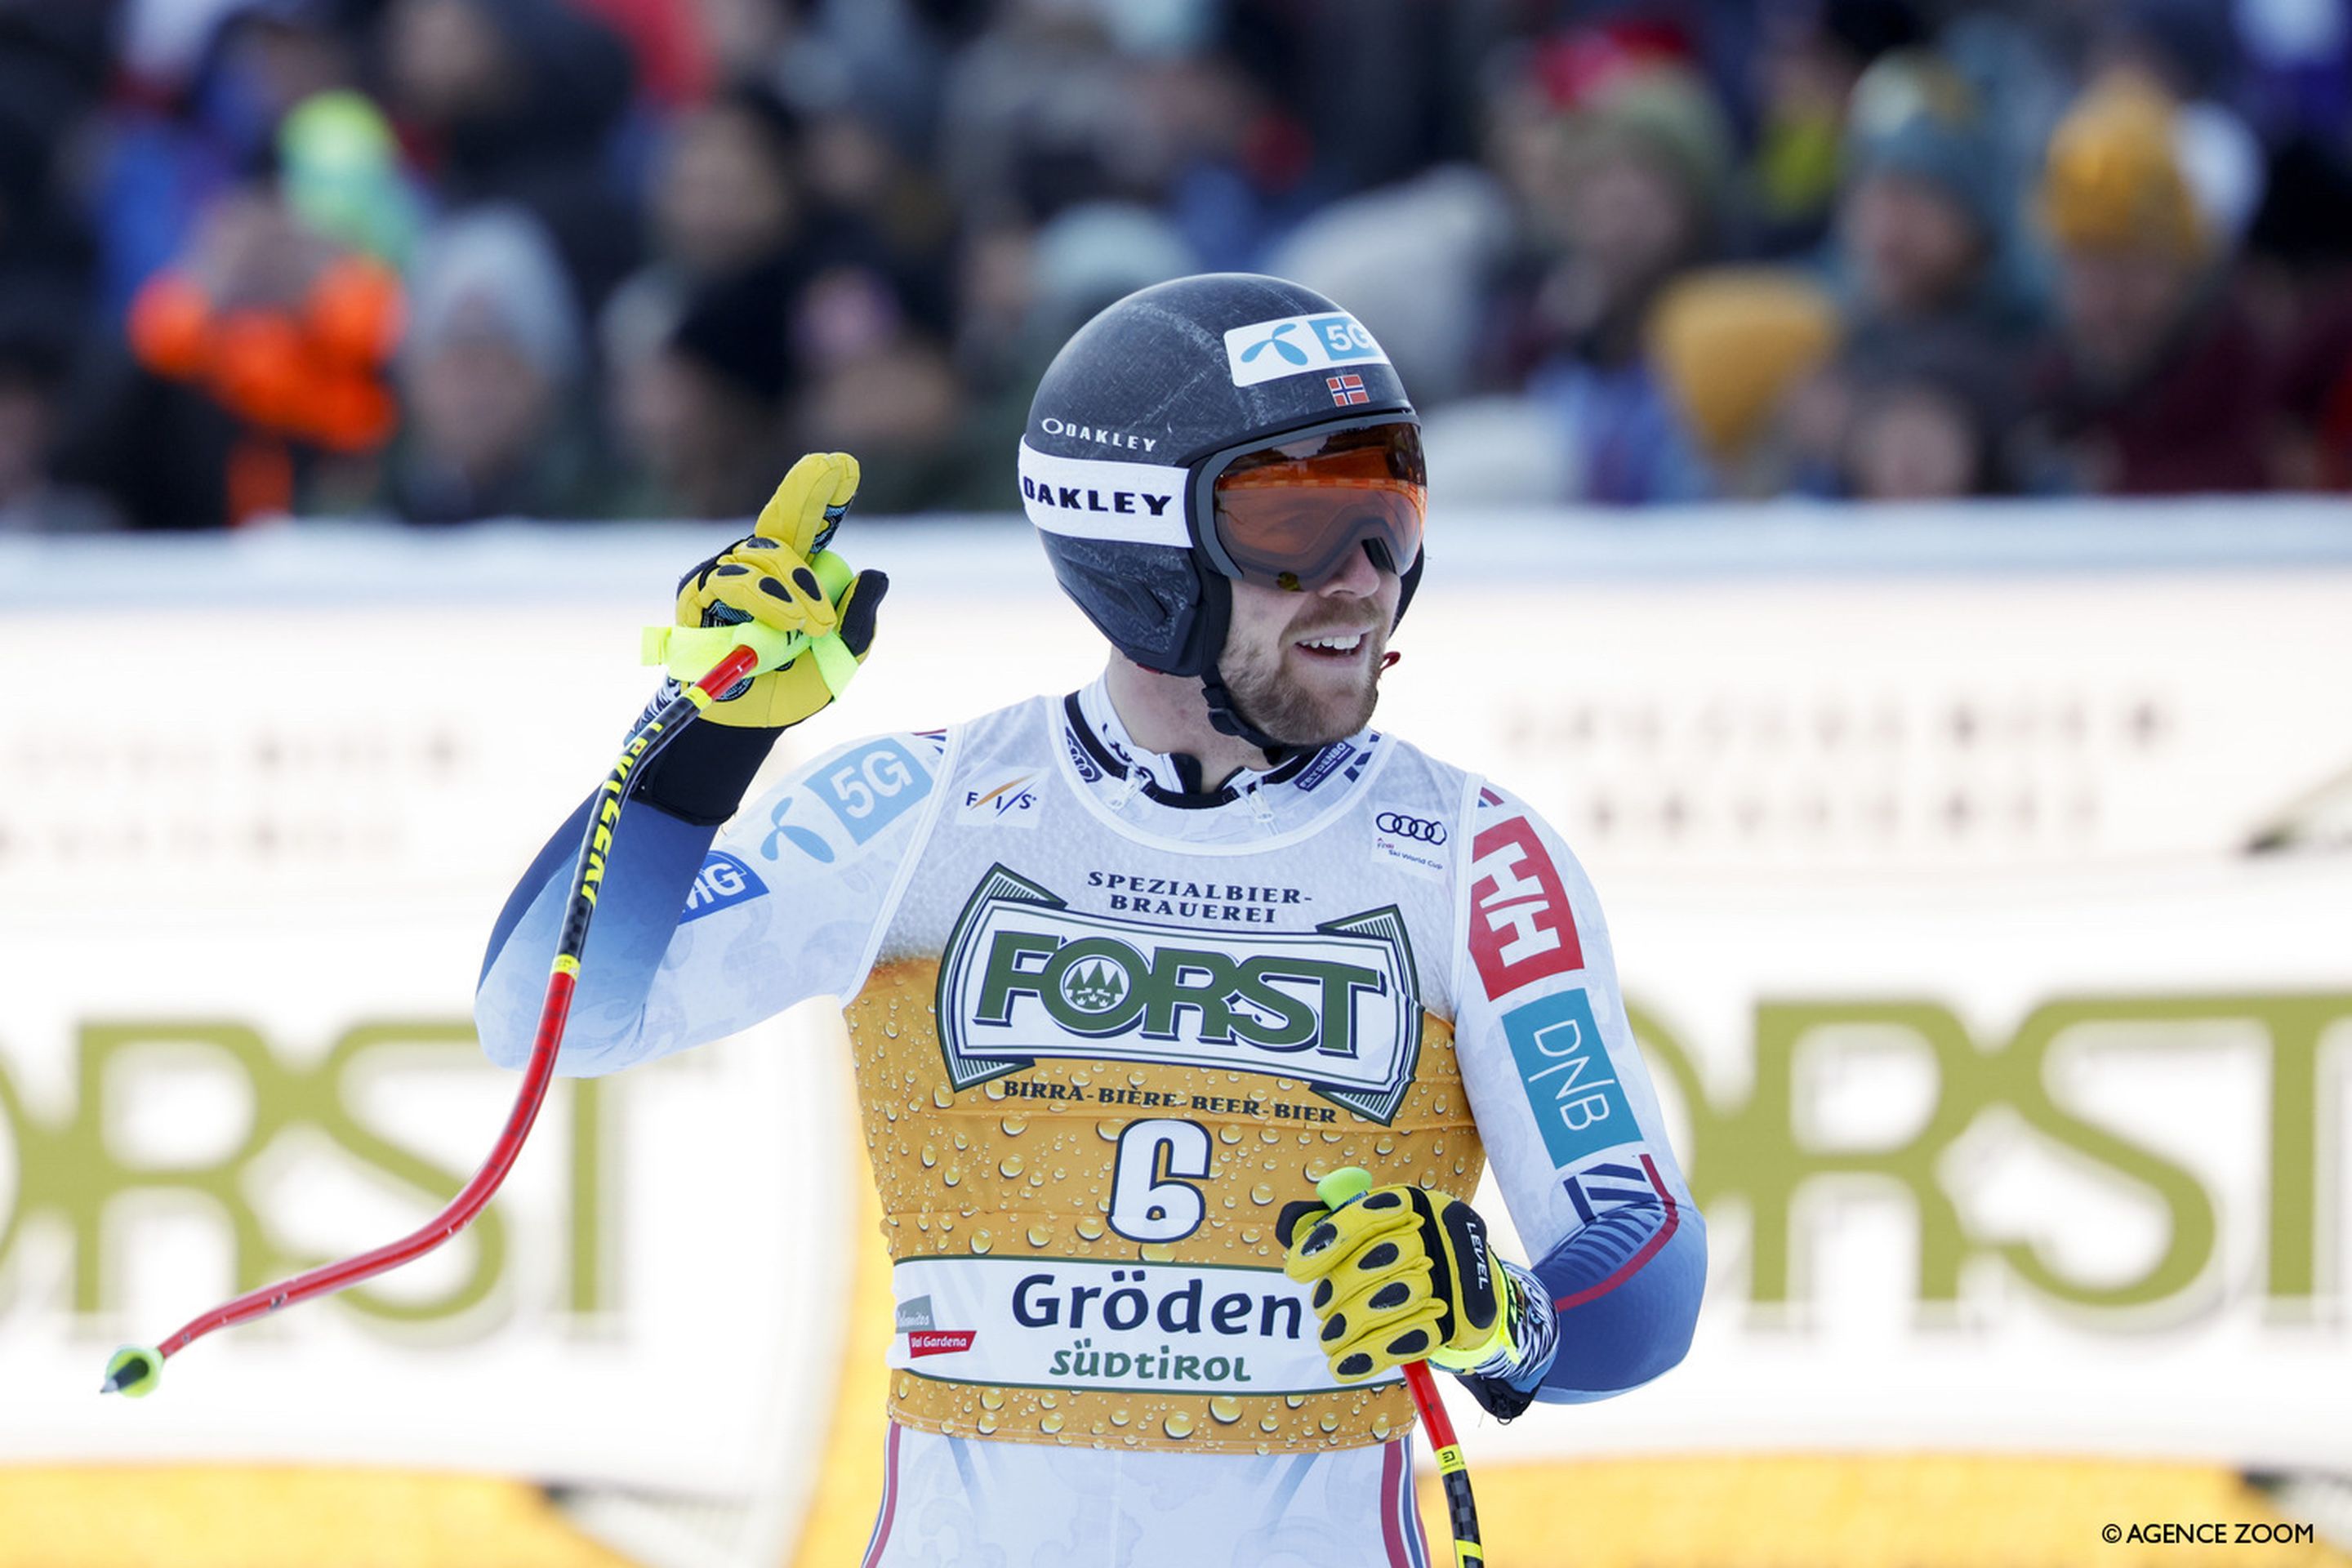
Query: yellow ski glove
x=1400, y=1275
x=767, y=578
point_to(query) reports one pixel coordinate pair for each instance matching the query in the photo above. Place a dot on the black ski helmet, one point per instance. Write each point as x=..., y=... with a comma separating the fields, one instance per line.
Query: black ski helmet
x=1140, y=411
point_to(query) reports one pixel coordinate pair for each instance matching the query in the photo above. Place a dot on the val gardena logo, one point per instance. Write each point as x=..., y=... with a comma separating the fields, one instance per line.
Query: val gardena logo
x=1026, y=978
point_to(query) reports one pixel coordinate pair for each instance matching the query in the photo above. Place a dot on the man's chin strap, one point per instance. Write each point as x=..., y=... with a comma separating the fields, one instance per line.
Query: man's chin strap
x=1226, y=718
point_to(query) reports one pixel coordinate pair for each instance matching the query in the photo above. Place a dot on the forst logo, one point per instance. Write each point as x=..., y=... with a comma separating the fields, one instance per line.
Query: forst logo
x=1096, y=990
x=1101, y=985
x=1027, y=977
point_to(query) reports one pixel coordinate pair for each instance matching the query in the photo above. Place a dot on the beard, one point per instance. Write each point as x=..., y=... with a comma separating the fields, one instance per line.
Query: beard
x=1290, y=710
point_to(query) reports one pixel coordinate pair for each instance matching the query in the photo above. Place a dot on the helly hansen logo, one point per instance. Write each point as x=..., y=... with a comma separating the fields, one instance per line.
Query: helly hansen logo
x=1521, y=929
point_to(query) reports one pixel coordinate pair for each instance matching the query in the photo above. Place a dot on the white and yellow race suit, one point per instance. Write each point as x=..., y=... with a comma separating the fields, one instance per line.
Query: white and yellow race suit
x=1104, y=1029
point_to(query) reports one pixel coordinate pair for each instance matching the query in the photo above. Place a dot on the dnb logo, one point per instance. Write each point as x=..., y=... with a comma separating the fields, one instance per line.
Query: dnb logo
x=1570, y=1082
x=1025, y=977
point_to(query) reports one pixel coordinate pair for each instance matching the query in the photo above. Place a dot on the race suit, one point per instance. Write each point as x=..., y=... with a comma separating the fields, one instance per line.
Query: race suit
x=1103, y=1030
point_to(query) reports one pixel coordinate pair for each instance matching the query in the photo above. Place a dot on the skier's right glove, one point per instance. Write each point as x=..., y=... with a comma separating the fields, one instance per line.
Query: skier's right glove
x=700, y=776
x=767, y=578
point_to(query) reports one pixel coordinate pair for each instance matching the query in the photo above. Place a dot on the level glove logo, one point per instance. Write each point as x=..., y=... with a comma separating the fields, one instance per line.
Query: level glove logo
x=1398, y=1275
x=769, y=577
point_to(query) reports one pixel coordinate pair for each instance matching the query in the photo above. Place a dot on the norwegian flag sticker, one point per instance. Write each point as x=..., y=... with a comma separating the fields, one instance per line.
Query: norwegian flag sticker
x=1347, y=389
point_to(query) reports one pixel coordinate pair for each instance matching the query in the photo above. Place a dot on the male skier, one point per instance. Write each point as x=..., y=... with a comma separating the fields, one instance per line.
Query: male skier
x=1126, y=972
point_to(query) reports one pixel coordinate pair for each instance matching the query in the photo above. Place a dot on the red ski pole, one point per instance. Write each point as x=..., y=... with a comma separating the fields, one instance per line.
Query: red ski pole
x=134, y=1370
x=1337, y=1190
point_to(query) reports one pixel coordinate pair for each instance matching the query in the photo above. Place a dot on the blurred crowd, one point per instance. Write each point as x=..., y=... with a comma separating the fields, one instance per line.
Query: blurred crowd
x=452, y=259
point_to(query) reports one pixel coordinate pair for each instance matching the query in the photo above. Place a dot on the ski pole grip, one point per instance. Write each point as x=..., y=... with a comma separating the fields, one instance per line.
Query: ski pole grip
x=690, y=652
x=1343, y=1186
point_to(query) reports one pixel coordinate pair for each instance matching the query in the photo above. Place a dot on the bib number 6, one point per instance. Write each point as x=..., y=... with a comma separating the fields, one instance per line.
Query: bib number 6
x=1147, y=1204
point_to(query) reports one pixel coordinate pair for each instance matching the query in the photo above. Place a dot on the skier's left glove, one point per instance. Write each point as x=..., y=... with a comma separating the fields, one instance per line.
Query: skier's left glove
x=1403, y=1275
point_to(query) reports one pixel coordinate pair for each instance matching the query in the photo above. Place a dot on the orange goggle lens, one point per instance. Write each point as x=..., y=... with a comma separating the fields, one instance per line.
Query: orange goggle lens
x=1289, y=516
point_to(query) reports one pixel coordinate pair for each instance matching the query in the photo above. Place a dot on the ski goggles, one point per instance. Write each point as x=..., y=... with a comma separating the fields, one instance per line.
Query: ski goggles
x=1290, y=515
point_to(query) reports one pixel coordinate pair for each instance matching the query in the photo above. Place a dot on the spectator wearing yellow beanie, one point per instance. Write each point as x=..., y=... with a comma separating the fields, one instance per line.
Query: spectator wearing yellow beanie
x=2161, y=383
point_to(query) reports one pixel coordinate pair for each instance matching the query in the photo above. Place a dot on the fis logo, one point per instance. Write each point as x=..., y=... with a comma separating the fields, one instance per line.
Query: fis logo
x=1012, y=803
x=1026, y=978
x=723, y=880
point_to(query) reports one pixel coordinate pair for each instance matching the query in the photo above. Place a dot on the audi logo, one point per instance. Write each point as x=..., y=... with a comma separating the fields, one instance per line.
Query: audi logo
x=1405, y=826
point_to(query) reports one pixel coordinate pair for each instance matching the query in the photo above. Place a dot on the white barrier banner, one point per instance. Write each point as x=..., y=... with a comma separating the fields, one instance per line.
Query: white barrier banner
x=1983, y=928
